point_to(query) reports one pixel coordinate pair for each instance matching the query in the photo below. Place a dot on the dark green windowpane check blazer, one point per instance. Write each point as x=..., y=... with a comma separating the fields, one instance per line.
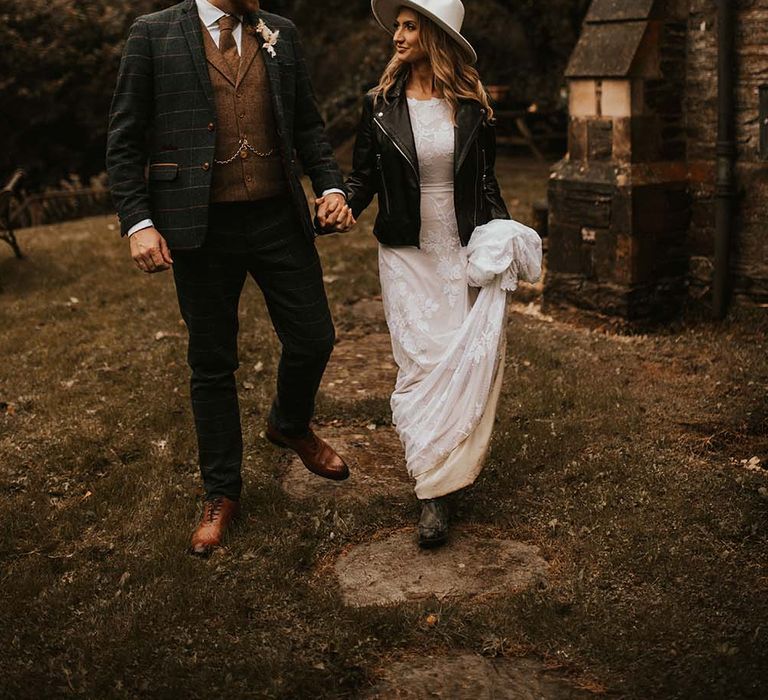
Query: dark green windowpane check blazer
x=162, y=122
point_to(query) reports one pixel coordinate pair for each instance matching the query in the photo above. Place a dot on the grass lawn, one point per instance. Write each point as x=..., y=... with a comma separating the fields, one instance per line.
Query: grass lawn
x=625, y=458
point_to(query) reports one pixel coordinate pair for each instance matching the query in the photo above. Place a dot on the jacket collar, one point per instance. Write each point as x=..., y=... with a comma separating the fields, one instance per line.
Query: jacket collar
x=190, y=24
x=209, y=13
x=394, y=118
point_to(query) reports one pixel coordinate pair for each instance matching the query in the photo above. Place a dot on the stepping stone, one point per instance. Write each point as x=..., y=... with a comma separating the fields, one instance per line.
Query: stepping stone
x=395, y=569
x=376, y=462
x=472, y=677
x=361, y=366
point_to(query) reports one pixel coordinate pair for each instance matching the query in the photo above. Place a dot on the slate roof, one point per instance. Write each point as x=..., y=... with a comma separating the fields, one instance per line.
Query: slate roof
x=606, y=50
x=611, y=38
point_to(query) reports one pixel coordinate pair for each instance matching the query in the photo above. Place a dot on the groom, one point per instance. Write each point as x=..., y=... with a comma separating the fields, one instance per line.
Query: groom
x=212, y=100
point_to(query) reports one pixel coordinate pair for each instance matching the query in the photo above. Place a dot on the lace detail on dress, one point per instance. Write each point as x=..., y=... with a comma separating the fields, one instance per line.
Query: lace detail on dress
x=433, y=133
x=408, y=313
x=432, y=123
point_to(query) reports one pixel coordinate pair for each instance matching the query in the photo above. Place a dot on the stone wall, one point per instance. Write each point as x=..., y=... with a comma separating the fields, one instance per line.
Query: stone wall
x=749, y=260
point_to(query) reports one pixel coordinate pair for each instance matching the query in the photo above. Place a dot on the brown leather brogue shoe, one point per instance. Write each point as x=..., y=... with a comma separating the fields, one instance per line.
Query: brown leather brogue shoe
x=218, y=514
x=316, y=454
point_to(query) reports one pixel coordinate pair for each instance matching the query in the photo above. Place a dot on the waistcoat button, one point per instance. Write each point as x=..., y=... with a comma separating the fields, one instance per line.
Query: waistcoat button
x=206, y=166
x=211, y=126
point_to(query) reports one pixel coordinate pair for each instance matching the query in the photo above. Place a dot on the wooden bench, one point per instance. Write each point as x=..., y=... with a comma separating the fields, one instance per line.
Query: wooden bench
x=534, y=129
x=7, y=212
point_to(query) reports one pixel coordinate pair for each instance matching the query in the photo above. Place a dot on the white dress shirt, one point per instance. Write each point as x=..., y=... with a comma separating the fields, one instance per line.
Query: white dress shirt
x=210, y=16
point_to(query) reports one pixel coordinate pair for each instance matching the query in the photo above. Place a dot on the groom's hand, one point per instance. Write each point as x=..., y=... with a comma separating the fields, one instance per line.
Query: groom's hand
x=334, y=214
x=150, y=251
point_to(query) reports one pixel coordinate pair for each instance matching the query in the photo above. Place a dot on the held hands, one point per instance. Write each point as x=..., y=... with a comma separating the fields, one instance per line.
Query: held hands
x=150, y=251
x=334, y=214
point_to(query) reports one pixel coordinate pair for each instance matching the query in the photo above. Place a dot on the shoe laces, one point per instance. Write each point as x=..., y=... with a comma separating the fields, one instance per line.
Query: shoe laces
x=213, y=508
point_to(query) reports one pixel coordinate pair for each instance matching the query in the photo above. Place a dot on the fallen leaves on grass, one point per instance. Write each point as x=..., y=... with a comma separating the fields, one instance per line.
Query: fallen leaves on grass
x=161, y=335
x=753, y=464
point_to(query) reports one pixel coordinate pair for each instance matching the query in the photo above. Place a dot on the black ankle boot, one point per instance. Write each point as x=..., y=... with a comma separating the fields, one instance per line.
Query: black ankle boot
x=433, y=524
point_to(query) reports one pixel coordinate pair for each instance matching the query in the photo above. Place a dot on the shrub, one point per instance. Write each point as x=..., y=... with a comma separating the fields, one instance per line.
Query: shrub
x=58, y=69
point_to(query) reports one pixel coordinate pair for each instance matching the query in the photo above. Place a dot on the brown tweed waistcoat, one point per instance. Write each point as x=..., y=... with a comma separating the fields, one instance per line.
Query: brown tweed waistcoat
x=243, y=110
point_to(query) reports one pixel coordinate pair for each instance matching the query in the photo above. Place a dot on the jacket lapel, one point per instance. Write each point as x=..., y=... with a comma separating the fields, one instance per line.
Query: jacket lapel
x=273, y=70
x=395, y=119
x=190, y=24
x=250, y=49
x=216, y=58
x=468, y=119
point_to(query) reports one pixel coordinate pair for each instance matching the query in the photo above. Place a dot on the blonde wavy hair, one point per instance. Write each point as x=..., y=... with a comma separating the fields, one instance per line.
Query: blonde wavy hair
x=454, y=77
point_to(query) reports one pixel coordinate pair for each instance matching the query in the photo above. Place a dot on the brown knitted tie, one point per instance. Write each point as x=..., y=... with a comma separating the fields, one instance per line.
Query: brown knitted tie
x=227, y=44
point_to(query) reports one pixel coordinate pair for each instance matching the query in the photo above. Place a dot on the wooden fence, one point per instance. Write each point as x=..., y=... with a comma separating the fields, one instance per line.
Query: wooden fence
x=69, y=201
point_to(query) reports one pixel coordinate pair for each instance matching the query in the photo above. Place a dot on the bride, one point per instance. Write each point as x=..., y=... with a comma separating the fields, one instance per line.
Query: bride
x=426, y=147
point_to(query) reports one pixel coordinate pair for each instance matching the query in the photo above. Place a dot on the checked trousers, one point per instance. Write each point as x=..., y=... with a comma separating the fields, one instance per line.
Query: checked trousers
x=263, y=239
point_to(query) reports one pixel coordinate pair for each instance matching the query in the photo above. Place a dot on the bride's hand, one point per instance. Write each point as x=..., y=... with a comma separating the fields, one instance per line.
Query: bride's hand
x=345, y=221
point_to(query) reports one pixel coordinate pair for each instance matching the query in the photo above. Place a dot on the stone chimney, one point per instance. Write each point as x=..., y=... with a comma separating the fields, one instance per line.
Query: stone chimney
x=618, y=202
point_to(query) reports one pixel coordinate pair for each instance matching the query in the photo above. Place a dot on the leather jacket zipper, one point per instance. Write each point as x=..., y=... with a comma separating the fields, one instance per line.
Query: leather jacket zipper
x=394, y=143
x=470, y=139
x=380, y=168
x=477, y=171
x=483, y=192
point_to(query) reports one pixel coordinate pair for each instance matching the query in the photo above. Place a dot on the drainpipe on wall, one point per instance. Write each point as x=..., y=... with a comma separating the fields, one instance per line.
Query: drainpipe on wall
x=726, y=151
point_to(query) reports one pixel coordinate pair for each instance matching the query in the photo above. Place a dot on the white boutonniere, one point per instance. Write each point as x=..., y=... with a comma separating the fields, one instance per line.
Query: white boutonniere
x=270, y=37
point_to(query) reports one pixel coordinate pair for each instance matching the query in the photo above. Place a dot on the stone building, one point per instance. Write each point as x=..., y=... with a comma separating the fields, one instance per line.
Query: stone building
x=635, y=204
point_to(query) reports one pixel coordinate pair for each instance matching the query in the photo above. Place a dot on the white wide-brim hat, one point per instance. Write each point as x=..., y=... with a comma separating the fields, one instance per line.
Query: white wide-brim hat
x=447, y=14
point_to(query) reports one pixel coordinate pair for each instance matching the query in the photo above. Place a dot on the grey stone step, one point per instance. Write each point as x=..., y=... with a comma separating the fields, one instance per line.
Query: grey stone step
x=394, y=569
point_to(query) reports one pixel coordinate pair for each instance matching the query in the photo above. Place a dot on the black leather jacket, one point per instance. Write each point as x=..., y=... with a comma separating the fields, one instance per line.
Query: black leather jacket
x=385, y=163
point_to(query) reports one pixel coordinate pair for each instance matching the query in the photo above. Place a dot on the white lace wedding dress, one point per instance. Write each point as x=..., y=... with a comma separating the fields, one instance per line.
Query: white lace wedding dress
x=448, y=337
